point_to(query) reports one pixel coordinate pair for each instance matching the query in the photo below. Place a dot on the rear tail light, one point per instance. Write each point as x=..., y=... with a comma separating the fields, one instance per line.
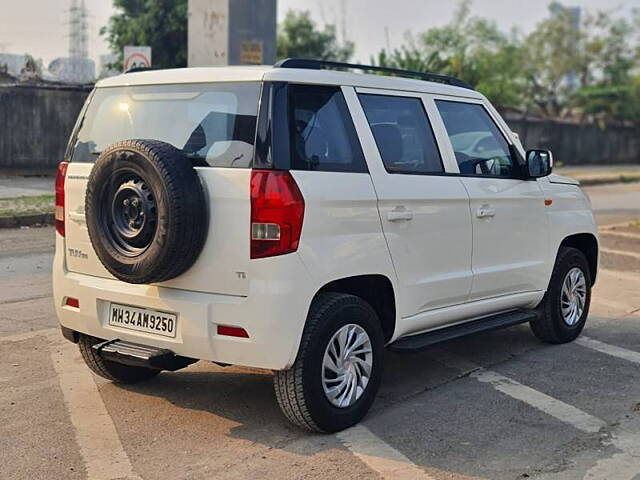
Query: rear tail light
x=60, y=176
x=277, y=211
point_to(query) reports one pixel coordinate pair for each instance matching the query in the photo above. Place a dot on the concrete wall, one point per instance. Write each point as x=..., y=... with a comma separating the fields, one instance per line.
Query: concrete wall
x=574, y=144
x=35, y=123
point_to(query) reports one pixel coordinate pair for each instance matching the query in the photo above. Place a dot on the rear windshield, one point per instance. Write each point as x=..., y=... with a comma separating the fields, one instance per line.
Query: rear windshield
x=213, y=125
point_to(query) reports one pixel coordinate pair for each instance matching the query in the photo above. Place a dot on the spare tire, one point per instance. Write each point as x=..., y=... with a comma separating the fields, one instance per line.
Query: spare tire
x=146, y=211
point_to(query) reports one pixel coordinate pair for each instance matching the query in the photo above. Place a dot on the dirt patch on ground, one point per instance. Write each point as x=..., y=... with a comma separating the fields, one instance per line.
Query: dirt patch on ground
x=618, y=242
x=620, y=262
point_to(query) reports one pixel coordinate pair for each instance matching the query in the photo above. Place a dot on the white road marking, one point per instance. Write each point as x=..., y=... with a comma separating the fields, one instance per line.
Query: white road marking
x=620, y=252
x=379, y=456
x=96, y=435
x=624, y=465
x=19, y=337
x=551, y=406
x=612, y=350
x=560, y=410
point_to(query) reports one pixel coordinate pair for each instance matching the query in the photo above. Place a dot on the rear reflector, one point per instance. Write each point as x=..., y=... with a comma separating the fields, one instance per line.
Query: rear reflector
x=72, y=302
x=60, y=177
x=277, y=211
x=232, y=331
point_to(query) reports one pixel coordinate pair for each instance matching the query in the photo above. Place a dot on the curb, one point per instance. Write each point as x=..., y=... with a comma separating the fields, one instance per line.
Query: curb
x=18, y=221
x=612, y=180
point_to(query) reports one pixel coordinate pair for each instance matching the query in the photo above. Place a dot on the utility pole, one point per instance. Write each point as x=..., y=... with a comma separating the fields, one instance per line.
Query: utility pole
x=78, y=30
x=343, y=20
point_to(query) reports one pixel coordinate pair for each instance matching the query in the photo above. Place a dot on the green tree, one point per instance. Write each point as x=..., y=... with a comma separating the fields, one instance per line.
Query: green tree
x=564, y=67
x=299, y=36
x=161, y=24
x=581, y=67
x=470, y=48
x=610, y=88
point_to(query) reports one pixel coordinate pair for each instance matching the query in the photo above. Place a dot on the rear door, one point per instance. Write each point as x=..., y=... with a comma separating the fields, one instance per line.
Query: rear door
x=508, y=213
x=424, y=213
x=213, y=124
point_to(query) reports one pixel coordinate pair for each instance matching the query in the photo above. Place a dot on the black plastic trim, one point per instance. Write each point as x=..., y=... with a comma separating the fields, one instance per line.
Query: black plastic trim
x=416, y=343
x=69, y=334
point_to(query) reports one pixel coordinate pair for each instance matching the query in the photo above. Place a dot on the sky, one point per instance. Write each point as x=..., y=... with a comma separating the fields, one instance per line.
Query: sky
x=39, y=27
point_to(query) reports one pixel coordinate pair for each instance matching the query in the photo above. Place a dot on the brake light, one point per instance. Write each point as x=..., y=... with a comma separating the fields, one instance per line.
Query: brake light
x=277, y=211
x=60, y=177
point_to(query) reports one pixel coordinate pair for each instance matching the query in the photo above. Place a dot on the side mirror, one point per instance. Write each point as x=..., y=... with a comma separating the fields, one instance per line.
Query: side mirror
x=539, y=163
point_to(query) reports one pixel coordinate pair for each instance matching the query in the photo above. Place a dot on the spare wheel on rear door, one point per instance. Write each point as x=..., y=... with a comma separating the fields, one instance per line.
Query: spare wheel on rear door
x=146, y=211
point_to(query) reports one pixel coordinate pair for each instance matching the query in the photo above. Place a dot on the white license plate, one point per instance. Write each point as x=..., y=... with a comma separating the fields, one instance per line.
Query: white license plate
x=143, y=320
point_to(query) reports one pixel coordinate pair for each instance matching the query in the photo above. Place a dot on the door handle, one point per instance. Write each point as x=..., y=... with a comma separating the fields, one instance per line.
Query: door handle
x=398, y=214
x=485, y=211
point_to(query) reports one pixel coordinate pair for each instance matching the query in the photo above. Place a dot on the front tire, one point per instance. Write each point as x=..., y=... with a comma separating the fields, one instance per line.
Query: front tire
x=337, y=372
x=563, y=312
x=116, y=372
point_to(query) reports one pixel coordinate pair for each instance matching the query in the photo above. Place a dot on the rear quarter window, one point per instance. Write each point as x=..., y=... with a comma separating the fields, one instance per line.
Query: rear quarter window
x=212, y=124
x=322, y=134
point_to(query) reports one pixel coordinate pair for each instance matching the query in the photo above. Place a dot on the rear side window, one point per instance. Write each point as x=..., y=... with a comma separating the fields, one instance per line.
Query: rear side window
x=213, y=124
x=403, y=134
x=322, y=135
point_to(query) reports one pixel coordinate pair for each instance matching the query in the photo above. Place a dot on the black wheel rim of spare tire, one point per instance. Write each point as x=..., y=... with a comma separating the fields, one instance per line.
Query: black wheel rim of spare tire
x=129, y=215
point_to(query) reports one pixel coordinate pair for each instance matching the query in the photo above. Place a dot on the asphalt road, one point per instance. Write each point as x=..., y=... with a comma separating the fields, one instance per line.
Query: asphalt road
x=499, y=405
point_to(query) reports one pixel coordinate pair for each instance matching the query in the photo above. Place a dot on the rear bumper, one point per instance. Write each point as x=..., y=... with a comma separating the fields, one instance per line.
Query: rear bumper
x=273, y=313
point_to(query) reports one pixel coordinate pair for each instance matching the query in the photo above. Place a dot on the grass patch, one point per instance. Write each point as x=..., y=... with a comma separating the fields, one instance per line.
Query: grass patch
x=11, y=207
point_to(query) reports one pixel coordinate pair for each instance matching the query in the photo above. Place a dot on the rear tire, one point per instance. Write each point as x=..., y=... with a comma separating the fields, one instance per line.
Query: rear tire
x=553, y=325
x=300, y=390
x=116, y=372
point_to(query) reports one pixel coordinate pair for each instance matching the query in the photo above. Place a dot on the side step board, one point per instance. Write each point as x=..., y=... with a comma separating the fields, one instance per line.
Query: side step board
x=419, y=342
x=137, y=355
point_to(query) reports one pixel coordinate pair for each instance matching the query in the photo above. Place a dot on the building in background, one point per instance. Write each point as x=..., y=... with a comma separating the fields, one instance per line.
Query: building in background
x=232, y=32
x=12, y=64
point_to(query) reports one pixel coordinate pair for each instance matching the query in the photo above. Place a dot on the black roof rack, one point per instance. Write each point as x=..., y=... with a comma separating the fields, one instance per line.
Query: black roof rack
x=306, y=63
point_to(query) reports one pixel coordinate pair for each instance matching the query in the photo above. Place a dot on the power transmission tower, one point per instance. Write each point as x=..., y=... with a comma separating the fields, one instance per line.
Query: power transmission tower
x=343, y=20
x=78, y=30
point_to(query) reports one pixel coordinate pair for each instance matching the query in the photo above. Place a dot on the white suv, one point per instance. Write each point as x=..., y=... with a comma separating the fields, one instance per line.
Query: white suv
x=300, y=218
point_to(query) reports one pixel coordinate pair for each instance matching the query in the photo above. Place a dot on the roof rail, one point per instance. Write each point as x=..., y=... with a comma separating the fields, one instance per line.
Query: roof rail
x=310, y=64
